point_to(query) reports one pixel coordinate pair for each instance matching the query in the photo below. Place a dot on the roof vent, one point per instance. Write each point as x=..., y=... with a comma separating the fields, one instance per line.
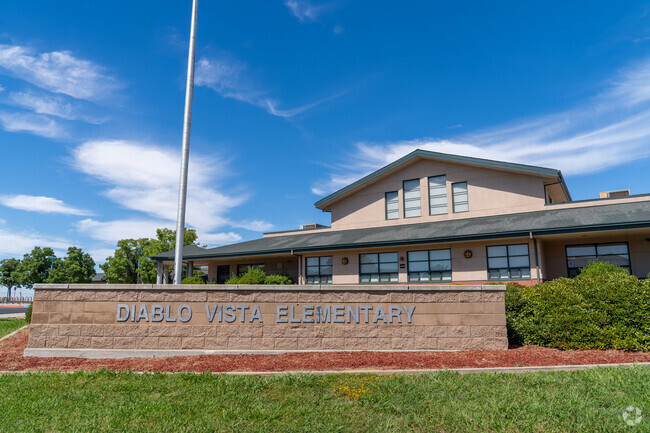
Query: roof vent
x=619, y=193
x=312, y=226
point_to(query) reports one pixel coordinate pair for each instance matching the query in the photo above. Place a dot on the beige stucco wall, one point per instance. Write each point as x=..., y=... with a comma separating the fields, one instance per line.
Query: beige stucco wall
x=638, y=247
x=71, y=320
x=491, y=192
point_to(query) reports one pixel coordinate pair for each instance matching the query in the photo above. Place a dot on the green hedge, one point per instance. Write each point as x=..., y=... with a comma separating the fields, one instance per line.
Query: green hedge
x=603, y=307
x=192, y=280
x=28, y=313
x=258, y=276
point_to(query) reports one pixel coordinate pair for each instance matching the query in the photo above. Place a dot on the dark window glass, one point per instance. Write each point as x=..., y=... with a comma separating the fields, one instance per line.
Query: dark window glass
x=378, y=268
x=579, y=256
x=392, y=205
x=506, y=262
x=319, y=270
x=429, y=266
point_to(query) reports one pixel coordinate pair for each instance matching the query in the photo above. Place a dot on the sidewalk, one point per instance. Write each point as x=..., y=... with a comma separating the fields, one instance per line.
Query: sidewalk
x=12, y=316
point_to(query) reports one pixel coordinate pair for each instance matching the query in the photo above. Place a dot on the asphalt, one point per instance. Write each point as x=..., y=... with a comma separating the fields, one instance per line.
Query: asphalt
x=11, y=310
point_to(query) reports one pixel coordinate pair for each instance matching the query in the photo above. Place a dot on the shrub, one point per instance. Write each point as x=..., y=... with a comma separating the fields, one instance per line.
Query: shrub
x=603, y=307
x=192, y=280
x=257, y=276
x=253, y=276
x=277, y=279
x=28, y=313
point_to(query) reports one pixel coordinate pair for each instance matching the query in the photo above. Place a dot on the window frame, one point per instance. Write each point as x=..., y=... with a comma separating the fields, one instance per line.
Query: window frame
x=596, y=245
x=446, y=194
x=379, y=273
x=453, y=197
x=320, y=273
x=386, y=205
x=428, y=261
x=509, y=267
x=419, y=198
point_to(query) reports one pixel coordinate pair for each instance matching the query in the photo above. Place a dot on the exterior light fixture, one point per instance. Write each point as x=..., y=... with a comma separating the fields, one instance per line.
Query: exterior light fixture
x=345, y=260
x=468, y=254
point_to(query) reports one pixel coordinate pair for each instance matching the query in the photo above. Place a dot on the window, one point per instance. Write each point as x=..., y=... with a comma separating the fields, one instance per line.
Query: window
x=412, y=198
x=437, y=195
x=579, y=256
x=508, y=262
x=242, y=269
x=319, y=270
x=392, y=205
x=432, y=265
x=459, y=191
x=378, y=268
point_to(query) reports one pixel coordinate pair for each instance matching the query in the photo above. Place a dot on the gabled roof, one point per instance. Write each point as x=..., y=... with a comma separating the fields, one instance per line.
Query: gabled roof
x=419, y=153
x=545, y=222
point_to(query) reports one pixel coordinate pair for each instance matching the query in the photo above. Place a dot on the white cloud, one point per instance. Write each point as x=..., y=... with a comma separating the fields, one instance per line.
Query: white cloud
x=1, y=88
x=144, y=178
x=216, y=239
x=304, y=10
x=15, y=244
x=50, y=104
x=112, y=231
x=32, y=123
x=99, y=255
x=40, y=204
x=253, y=225
x=228, y=78
x=58, y=72
x=611, y=129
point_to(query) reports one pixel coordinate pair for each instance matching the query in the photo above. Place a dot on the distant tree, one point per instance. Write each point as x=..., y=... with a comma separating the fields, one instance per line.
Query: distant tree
x=76, y=267
x=132, y=257
x=35, y=266
x=9, y=276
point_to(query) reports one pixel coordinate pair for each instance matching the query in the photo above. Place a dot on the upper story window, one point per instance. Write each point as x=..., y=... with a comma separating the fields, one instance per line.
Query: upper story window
x=319, y=270
x=412, y=198
x=242, y=269
x=437, y=195
x=432, y=265
x=506, y=262
x=392, y=205
x=378, y=268
x=459, y=191
x=579, y=256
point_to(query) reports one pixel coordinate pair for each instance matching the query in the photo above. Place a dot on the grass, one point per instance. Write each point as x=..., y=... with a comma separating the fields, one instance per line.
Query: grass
x=580, y=401
x=7, y=326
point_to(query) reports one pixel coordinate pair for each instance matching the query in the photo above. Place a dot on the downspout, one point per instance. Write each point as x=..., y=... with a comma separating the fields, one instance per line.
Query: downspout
x=536, y=256
x=300, y=279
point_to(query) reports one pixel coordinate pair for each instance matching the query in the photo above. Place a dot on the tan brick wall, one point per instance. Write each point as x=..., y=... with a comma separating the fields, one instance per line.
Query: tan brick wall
x=445, y=318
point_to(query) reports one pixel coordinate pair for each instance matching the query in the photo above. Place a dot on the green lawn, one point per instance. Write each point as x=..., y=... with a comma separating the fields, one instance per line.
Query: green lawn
x=580, y=401
x=7, y=326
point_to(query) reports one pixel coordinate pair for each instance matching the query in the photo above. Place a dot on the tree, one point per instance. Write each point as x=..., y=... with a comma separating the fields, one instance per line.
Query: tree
x=9, y=274
x=36, y=266
x=131, y=257
x=76, y=267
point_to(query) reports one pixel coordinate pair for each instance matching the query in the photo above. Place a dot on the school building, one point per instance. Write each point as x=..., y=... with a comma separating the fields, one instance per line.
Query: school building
x=435, y=218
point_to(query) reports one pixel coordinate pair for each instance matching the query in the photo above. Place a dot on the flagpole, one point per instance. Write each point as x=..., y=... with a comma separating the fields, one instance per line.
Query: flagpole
x=182, y=193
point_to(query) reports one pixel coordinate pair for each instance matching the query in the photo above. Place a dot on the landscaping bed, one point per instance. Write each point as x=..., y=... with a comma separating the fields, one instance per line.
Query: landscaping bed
x=12, y=359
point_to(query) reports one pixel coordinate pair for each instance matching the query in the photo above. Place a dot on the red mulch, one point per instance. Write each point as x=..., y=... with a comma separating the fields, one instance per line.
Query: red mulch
x=12, y=359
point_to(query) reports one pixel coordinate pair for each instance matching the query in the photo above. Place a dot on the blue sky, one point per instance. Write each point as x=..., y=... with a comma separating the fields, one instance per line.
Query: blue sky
x=295, y=99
